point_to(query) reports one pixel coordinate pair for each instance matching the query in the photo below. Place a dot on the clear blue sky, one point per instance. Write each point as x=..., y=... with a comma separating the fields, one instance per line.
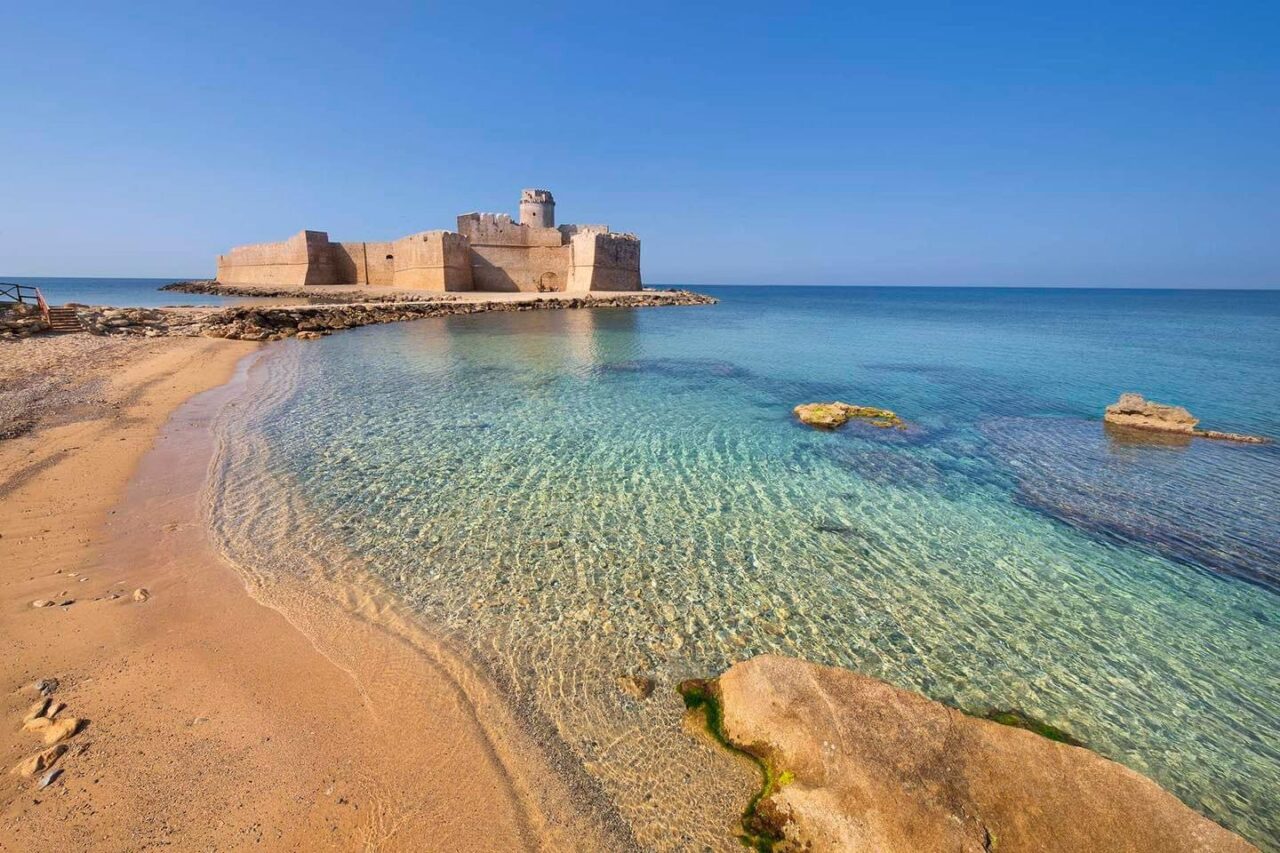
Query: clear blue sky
x=1105, y=144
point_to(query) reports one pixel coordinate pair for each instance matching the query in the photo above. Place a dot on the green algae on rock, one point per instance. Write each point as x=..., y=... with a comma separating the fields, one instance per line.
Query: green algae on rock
x=836, y=414
x=1022, y=720
x=761, y=823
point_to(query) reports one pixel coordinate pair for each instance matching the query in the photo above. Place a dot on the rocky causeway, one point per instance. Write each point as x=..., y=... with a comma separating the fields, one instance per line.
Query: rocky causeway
x=344, y=309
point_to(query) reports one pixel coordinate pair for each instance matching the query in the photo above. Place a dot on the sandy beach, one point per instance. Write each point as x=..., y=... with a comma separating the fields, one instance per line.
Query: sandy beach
x=210, y=719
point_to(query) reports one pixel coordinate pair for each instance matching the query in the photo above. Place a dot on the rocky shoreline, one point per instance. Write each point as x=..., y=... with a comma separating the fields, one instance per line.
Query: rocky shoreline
x=267, y=322
x=210, y=287
x=22, y=321
x=258, y=322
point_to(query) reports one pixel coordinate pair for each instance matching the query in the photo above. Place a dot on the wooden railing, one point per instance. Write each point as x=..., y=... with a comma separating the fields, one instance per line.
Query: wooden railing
x=24, y=294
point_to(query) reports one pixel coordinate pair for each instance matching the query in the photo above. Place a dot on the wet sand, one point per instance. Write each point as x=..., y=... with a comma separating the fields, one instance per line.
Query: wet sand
x=221, y=714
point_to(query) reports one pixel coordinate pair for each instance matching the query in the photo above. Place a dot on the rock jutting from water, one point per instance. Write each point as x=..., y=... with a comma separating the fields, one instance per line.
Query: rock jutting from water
x=852, y=763
x=1136, y=412
x=836, y=414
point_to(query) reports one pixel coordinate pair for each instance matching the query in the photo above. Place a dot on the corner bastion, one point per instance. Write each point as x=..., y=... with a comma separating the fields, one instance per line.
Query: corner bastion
x=489, y=252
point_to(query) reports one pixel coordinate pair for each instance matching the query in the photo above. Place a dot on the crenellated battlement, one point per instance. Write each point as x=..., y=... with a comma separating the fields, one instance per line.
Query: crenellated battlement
x=489, y=251
x=498, y=229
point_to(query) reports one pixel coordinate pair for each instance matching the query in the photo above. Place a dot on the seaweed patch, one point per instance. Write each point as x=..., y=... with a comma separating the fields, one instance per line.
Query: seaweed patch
x=761, y=824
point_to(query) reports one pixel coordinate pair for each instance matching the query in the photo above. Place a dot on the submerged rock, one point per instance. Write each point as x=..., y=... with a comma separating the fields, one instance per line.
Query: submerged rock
x=1136, y=412
x=638, y=687
x=853, y=763
x=1161, y=492
x=837, y=414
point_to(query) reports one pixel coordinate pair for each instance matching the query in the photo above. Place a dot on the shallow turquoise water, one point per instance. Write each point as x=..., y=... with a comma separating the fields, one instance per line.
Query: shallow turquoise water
x=578, y=495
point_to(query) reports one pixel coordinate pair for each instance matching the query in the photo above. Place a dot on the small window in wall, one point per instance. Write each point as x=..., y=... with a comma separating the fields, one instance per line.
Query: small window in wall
x=390, y=257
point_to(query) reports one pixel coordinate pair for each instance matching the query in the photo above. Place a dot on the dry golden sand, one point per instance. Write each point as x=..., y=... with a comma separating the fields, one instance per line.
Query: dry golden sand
x=217, y=719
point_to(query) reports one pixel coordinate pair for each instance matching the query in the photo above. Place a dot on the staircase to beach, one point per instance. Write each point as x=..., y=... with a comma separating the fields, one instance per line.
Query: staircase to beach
x=64, y=320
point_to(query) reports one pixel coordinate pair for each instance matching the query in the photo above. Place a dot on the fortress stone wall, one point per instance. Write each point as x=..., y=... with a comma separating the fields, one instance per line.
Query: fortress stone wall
x=489, y=251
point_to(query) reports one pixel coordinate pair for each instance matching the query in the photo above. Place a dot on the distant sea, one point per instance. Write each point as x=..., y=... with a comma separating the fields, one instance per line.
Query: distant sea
x=580, y=495
x=129, y=292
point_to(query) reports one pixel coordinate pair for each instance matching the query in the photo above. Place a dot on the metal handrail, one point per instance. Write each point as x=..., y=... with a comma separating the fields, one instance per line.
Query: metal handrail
x=20, y=293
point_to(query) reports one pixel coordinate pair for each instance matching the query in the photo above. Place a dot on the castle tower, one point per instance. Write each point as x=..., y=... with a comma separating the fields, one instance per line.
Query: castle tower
x=537, y=209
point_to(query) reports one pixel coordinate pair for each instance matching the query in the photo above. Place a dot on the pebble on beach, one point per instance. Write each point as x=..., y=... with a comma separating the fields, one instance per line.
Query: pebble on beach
x=59, y=730
x=35, y=711
x=40, y=761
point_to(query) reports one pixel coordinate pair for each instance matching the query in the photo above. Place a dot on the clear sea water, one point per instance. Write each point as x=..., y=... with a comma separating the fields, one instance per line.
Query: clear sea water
x=580, y=495
x=126, y=292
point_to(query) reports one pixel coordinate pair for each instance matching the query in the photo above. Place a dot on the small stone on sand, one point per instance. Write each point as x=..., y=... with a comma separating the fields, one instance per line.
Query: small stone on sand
x=638, y=687
x=40, y=761
x=37, y=724
x=35, y=711
x=48, y=779
x=42, y=602
x=61, y=730
x=141, y=594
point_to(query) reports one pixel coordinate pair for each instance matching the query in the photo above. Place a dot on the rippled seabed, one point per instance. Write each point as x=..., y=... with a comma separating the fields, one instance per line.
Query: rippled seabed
x=579, y=495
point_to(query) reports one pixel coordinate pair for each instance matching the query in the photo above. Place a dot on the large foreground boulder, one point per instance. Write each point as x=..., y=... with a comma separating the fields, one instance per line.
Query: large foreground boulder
x=864, y=766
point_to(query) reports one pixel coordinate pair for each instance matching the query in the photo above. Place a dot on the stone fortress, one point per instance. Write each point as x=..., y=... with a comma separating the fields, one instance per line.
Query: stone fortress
x=488, y=252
